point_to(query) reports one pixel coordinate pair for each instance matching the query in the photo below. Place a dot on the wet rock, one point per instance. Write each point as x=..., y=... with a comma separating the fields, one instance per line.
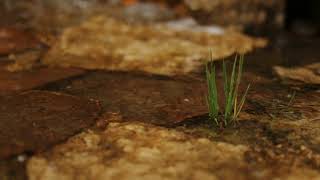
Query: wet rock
x=34, y=120
x=106, y=43
x=153, y=99
x=139, y=151
x=25, y=80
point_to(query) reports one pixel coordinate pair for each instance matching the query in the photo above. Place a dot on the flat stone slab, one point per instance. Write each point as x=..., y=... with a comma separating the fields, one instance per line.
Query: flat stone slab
x=110, y=44
x=143, y=151
x=308, y=74
x=138, y=151
x=32, y=121
x=154, y=99
x=25, y=80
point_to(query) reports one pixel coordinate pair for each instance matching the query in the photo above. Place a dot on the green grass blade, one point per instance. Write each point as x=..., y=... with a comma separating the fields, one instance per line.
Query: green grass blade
x=231, y=85
x=231, y=95
x=225, y=80
x=238, y=76
x=212, y=98
x=242, y=102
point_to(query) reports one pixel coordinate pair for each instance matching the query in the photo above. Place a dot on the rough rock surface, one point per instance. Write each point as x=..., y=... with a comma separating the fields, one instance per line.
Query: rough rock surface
x=138, y=151
x=106, y=43
x=34, y=120
x=154, y=99
x=309, y=74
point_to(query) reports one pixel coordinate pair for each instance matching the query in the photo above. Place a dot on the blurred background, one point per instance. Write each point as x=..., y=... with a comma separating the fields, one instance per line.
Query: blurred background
x=256, y=17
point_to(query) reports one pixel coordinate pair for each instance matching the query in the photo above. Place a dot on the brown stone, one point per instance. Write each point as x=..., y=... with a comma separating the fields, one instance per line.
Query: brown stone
x=34, y=120
x=153, y=99
x=14, y=40
x=25, y=80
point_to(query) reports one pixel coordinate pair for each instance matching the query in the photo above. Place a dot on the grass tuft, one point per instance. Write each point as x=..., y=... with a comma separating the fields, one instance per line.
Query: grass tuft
x=212, y=98
x=233, y=105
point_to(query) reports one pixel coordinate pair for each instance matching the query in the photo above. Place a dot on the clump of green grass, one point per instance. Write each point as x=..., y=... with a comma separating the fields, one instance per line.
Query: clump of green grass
x=233, y=103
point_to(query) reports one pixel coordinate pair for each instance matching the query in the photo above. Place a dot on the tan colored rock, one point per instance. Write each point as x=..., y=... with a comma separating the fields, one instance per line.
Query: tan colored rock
x=138, y=151
x=106, y=43
x=309, y=74
x=141, y=151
